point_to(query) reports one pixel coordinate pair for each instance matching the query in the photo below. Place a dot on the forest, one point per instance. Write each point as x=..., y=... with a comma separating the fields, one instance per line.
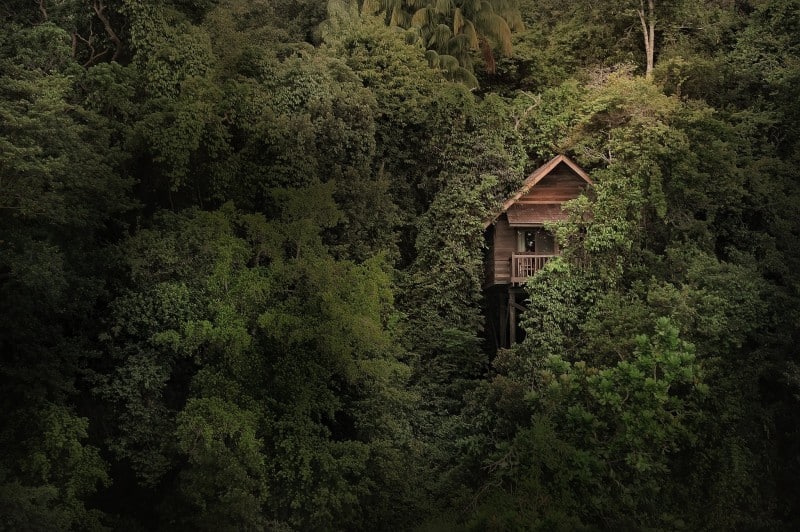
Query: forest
x=241, y=265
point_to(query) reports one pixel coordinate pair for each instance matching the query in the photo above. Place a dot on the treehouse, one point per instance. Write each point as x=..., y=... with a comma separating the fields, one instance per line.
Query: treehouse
x=518, y=244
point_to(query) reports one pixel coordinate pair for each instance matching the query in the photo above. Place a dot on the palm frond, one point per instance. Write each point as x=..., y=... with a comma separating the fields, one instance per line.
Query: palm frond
x=489, y=23
x=411, y=35
x=390, y=5
x=448, y=63
x=469, y=31
x=510, y=12
x=399, y=17
x=458, y=20
x=423, y=17
x=459, y=47
x=432, y=57
x=444, y=7
x=499, y=30
x=370, y=7
x=462, y=75
x=440, y=37
x=483, y=17
x=425, y=33
x=471, y=7
x=515, y=22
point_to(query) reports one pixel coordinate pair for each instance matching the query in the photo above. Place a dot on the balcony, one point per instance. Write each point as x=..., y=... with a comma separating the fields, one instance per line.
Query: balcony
x=523, y=265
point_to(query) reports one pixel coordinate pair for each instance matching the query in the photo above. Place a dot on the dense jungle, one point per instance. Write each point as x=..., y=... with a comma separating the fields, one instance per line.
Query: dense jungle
x=242, y=265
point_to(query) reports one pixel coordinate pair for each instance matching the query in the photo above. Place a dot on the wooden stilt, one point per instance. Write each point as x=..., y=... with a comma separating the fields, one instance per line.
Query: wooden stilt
x=512, y=318
x=502, y=314
x=494, y=322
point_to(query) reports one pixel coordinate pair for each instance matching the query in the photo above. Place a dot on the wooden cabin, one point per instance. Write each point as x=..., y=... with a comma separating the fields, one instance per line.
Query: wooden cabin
x=518, y=244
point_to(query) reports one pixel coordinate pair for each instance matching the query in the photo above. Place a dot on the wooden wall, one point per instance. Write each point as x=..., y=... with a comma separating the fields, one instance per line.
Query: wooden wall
x=505, y=243
x=559, y=186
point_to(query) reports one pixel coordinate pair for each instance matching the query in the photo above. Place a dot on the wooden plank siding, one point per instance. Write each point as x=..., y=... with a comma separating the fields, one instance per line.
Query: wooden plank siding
x=555, y=188
x=505, y=243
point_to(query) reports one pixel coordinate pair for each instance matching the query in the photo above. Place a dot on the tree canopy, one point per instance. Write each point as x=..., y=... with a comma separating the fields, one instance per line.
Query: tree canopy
x=242, y=256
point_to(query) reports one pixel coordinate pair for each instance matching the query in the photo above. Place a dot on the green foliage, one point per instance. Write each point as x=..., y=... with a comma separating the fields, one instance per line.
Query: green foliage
x=598, y=442
x=561, y=298
x=258, y=370
x=60, y=192
x=41, y=182
x=770, y=50
x=455, y=29
x=445, y=280
x=667, y=231
x=312, y=357
x=543, y=120
x=411, y=103
x=223, y=485
x=47, y=486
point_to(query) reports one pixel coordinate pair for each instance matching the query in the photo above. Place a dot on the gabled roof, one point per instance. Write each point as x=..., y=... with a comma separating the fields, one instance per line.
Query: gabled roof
x=539, y=174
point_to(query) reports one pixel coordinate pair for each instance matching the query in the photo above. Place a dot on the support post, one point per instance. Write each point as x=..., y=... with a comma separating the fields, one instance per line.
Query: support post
x=503, y=319
x=512, y=317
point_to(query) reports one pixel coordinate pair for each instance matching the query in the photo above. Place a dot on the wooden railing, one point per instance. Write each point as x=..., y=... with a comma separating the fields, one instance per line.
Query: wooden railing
x=523, y=265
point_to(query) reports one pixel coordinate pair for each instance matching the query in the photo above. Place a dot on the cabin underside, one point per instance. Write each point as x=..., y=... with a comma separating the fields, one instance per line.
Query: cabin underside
x=504, y=305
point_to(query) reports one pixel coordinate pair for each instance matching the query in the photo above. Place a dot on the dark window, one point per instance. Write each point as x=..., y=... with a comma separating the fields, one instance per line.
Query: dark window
x=535, y=240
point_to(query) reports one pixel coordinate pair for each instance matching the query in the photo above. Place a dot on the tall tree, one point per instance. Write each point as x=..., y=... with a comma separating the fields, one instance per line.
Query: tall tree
x=454, y=28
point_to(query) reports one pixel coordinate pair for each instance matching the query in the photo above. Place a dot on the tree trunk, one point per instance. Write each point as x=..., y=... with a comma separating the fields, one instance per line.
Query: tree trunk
x=99, y=9
x=648, y=20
